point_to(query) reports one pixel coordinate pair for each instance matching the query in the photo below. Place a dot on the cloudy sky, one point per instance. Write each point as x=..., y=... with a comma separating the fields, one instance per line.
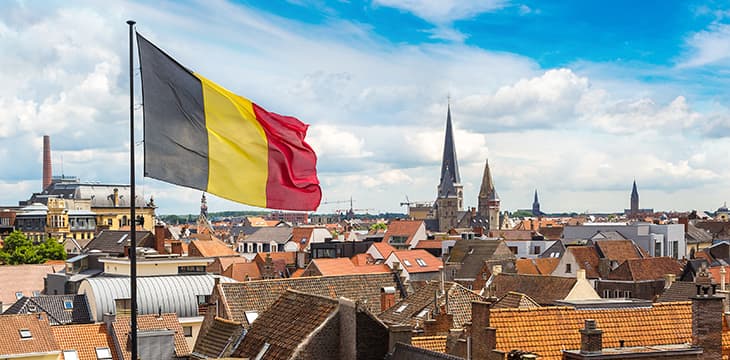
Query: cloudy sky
x=574, y=99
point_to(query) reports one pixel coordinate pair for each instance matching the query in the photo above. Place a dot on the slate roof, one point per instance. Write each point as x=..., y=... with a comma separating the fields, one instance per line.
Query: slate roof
x=410, y=352
x=84, y=338
x=551, y=232
x=23, y=278
x=515, y=300
x=545, y=290
x=402, y=228
x=41, y=340
x=433, y=343
x=169, y=321
x=280, y=235
x=618, y=250
x=646, y=269
x=678, y=291
x=220, y=340
x=696, y=235
x=243, y=271
x=471, y=254
x=54, y=306
x=548, y=330
x=289, y=322
x=260, y=295
x=209, y=248
x=113, y=241
x=460, y=299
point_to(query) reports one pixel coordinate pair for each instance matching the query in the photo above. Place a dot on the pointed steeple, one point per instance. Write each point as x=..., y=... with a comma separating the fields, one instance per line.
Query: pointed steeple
x=449, y=159
x=536, y=206
x=446, y=188
x=486, y=191
x=634, y=200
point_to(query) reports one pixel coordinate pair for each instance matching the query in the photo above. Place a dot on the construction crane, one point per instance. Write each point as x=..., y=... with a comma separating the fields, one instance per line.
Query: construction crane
x=407, y=202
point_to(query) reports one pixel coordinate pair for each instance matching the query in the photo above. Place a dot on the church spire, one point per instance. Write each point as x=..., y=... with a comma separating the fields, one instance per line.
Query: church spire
x=536, y=206
x=449, y=160
x=634, y=200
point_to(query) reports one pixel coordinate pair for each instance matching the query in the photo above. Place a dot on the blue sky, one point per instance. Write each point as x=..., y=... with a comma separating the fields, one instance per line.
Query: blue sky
x=572, y=98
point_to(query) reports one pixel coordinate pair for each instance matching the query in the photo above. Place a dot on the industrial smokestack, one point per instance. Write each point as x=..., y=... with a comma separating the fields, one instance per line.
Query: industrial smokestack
x=47, y=173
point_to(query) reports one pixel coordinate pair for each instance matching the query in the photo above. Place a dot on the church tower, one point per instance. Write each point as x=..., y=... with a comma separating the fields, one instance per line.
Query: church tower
x=488, y=199
x=634, y=201
x=450, y=178
x=536, y=206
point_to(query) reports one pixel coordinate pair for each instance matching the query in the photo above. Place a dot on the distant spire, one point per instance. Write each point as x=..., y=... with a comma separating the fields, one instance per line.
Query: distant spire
x=536, y=206
x=634, y=200
x=449, y=159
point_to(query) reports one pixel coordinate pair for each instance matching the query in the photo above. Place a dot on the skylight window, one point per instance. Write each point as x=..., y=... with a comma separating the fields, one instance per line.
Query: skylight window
x=401, y=308
x=18, y=295
x=70, y=355
x=103, y=353
x=422, y=313
x=420, y=262
x=25, y=334
x=251, y=316
x=36, y=293
x=407, y=263
x=263, y=351
x=68, y=304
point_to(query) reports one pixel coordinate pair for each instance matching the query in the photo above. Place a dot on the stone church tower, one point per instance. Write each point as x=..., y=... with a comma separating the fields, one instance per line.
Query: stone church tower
x=450, y=200
x=488, y=199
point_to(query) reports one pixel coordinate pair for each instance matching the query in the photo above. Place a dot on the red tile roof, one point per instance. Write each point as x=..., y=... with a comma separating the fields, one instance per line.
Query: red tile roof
x=300, y=233
x=539, y=266
x=41, y=340
x=209, y=248
x=342, y=266
x=243, y=271
x=409, y=260
x=429, y=244
x=383, y=248
x=402, y=228
x=547, y=331
x=84, y=339
x=587, y=259
x=362, y=259
x=646, y=269
x=618, y=250
x=23, y=278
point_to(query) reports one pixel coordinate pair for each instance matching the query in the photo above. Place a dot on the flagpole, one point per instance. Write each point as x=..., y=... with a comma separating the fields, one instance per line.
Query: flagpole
x=133, y=199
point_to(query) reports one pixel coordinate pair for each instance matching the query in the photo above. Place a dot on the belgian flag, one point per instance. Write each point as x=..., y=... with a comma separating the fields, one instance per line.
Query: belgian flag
x=199, y=135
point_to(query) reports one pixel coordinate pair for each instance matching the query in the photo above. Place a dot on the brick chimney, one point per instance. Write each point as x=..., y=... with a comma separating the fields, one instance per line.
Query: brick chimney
x=484, y=337
x=115, y=198
x=387, y=298
x=439, y=325
x=707, y=317
x=591, y=338
x=176, y=247
x=160, y=238
x=348, y=328
x=47, y=168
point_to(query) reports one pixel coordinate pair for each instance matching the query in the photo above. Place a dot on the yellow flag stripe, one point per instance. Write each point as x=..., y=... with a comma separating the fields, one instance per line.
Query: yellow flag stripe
x=238, y=150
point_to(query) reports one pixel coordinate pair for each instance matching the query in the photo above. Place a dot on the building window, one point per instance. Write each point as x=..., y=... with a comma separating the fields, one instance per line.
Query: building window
x=249, y=248
x=627, y=294
x=70, y=355
x=203, y=299
x=19, y=295
x=513, y=249
x=68, y=304
x=25, y=334
x=617, y=293
x=537, y=250
x=263, y=351
x=251, y=316
x=606, y=294
x=568, y=269
x=398, y=239
x=188, y=331
x=195, y=269
x=103, y=353
x=123, y=306
x=675, y=249
x=401, y=308
x=658, y=248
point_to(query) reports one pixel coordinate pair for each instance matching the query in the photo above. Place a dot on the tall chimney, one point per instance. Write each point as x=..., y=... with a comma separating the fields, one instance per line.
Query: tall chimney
x=47, y=173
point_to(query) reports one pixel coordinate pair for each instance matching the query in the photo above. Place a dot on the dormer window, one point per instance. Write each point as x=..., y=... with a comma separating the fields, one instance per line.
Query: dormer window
x=25, y=334
x=18, y=295
x=70, y=355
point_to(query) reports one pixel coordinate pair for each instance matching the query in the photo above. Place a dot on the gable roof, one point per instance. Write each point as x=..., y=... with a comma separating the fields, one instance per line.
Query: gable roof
x=545, y=290
x=84, y=338
x=113, y=241
x=383, y=248
x=460, y=299
x=209, y=248
x=280, y=235
x=407, y=228
x=526, y=267
x=290, y=321
x=344, y=266
x=243, y=271
x=646, y=269
x=221, y=263
x=54, y=307
x=408, y=352
x=618, y=250
x=546, y=331
x=302, y=236
x=409, y=260
x=515, y=300
x=40, y=342
x=219, y=340
x=433, y=343
x=587, y=259
x=169, y=321
x=23, y=278
x=471, y=254
x=678, y=291
x=259, y=295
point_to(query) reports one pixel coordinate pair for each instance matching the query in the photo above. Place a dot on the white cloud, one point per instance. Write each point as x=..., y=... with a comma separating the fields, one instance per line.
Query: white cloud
x=443, y=11
x=708, y=47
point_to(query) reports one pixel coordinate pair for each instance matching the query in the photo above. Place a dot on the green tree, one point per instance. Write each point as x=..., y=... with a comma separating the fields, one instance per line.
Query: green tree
x=18, y=249
x=378, y=226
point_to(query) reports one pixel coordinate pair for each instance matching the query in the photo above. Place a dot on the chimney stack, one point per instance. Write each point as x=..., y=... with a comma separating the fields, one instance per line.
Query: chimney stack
x=160, y=238
x=387, y=298
x=591, y=338
x=707, y=320
x=47, y=173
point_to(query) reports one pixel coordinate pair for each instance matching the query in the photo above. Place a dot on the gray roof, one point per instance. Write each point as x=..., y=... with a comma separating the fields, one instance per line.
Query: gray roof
x=100, y=194
x=78, y=311
x=174, y=294
x=696, y=235
x=268, y=234
x=113, y=241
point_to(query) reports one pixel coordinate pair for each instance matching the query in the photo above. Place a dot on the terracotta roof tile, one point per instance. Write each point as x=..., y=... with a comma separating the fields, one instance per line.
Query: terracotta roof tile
x=221, y=263
x=41, y=340
x=383, y=248
x=290, y=320
x=84, y=339
x=545, y=290
x=546, y=266
x=209, y=248
x=433, y=343
x=243, y=271
x=342, y=266
x=362, y=259
x=418, y=261
x=150, y=322
x=515, y=300
x=587, y=259
x=302, y=233
x=618, y=250
x=407, y=228
x=526, y=267
x=216, y=342
x=429, y=244
x=646, y=269
x=548, y=330
x=23, y=278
